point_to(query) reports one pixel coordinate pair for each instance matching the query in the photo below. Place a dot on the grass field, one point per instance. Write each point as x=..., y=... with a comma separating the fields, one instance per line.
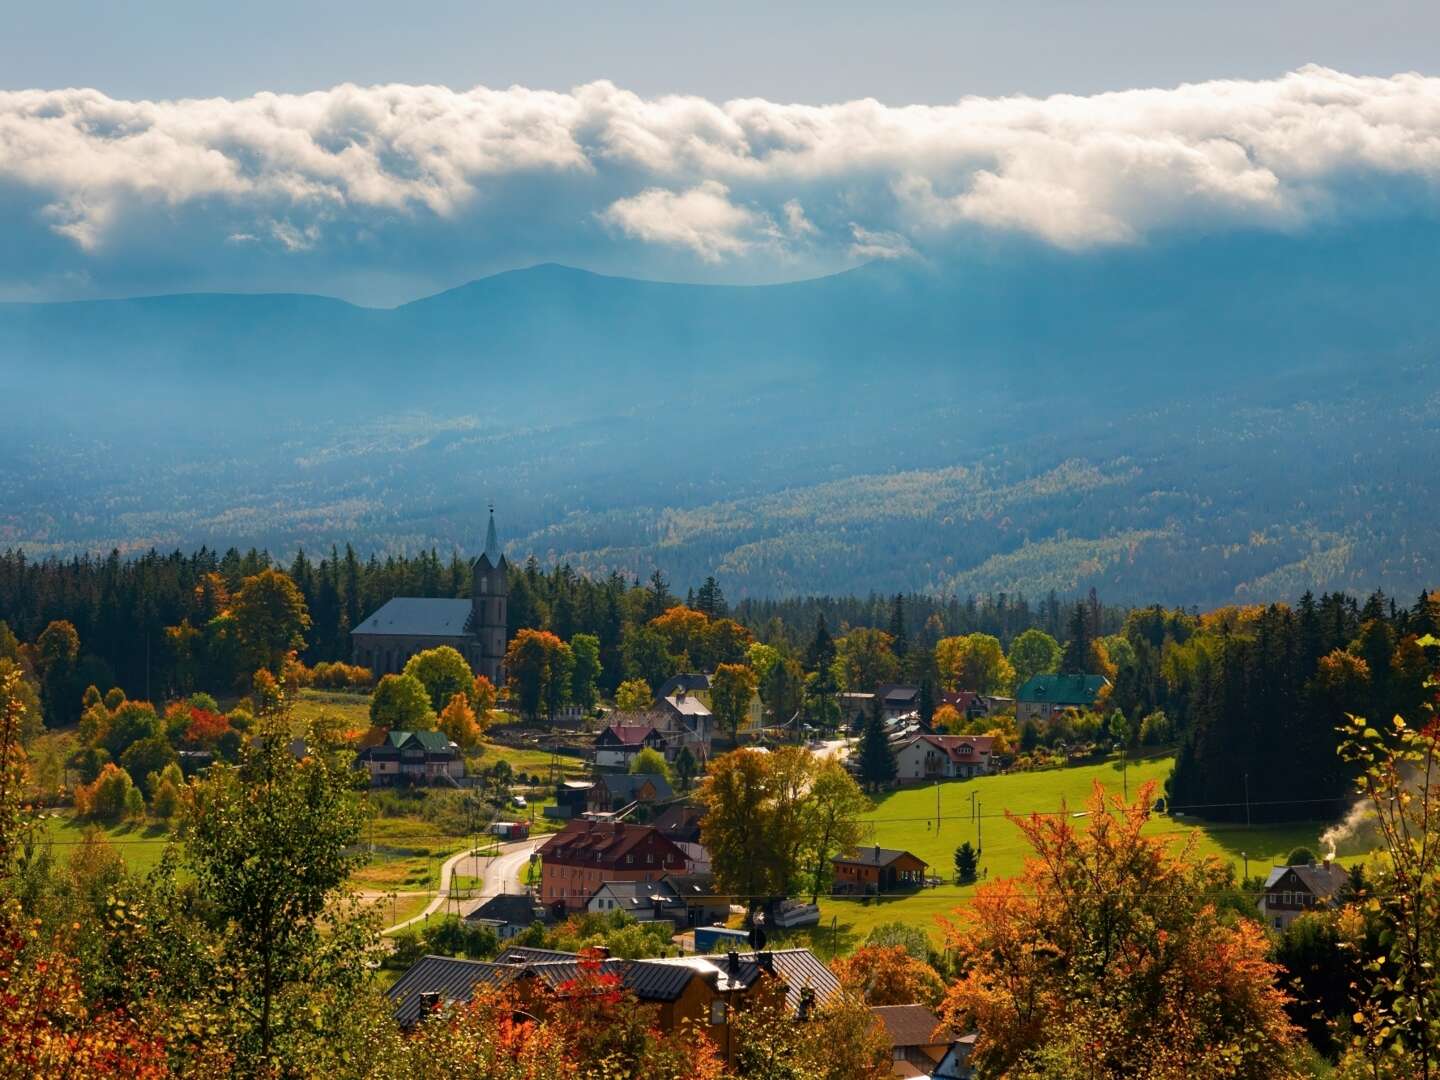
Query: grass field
x=907, y=819
x=139, y=845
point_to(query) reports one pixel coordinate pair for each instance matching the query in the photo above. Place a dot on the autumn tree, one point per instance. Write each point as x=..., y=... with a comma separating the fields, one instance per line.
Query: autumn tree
x=270, y=844
x=747, y=856
x=840, y=1040
x=457, y=721
x=830, y=820
x=539, y=667
x=888, y=975
x=270, y=618
x=1109, y=950
x=650, y=762
x=633, y=695
x=864, y=659
x=483, y=698
x=1033, y=653
x=57, y=655
x=731, y=689
x=443, y=672
x=401, y=703
x=974, y=662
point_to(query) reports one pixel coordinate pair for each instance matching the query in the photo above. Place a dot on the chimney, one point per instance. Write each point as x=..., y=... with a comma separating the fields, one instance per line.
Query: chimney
x=1327, y=864
x=732, y=962
x=877, y=853
x=766, y=960
x=807, y=1002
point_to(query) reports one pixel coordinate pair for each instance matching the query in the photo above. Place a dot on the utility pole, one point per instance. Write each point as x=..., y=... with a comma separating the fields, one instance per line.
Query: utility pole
x=937, y=807
x=1247, y=800
x=979, y=831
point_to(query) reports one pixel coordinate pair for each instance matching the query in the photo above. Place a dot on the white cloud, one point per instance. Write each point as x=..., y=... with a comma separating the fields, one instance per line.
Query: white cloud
x=425, y=180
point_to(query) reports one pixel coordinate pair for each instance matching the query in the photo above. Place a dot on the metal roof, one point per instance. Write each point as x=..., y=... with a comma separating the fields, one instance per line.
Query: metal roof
x=909, y=1025
x=452, y=979
x=418, y=616
x=875, y=856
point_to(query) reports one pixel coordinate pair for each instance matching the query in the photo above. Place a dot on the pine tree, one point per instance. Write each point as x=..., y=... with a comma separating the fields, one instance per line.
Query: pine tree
x=901, y=644
x=877, y=760
x=821, y=653
x=1076, y=657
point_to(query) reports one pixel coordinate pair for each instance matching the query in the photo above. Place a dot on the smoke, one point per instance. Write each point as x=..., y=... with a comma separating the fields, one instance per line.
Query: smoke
x=1359, y=832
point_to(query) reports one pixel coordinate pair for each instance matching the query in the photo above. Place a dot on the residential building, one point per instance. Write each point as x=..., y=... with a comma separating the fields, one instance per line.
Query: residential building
x=585, y=854
x=413, y=758
x=475, y=628
x=698, y=990
x=944, y=757
x=1290, y=891
x=616, y=791
x=686, y=720
x=643, y=901
x=572, y=798
x=917, y=1038
x=878, y=870
x=696, y=891
x=1043, y=696
x=897, y=699
x=680, y=823
x=618, y=744
x=508, y=914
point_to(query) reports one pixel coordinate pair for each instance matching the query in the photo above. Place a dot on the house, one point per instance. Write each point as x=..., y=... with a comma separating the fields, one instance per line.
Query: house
x=413, y=757
x=1043, y=696
x=917, y=1039
x=1290, y=891
x=572, y=798
x=878, y=870
x=973, y=706
x=690, y=682
x=854, y=707
x=475, y=628
x=955, y=1065
x=944, y=757
x=618, y=790
x=897, y=699
x=701, y=991
x=508, y=914
x=585, y=854
x=643, y=901
x=679, y=822
x=618, y=744
x=686, y=721
x=696, y=891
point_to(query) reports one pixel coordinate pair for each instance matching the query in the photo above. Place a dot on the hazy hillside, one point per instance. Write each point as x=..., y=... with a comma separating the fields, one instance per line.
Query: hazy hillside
x=1198, y=421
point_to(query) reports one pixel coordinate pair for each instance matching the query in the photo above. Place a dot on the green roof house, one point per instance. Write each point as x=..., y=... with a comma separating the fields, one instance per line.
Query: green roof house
x=1043, y=696
x=413, y=757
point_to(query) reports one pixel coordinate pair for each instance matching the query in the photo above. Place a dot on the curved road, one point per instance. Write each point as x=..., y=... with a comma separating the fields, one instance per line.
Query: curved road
x=498, y=873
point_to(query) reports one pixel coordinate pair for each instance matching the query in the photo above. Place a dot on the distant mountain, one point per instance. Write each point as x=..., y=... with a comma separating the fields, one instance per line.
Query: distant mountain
x=1199, y=418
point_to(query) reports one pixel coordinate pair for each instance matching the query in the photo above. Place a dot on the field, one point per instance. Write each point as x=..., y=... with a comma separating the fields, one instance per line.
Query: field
x=139, y=845
x=906, y=819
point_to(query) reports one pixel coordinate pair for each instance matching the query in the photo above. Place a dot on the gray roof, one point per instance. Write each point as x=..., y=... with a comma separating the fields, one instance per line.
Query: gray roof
x=689, y=705
x=874, y=856
x=625, y=785
x=662, y=979
x=1323, y=881
x=689, y=681
x=512, y=908
x=418, y=616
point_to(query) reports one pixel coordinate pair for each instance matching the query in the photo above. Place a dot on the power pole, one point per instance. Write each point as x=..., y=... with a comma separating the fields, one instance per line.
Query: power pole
x=937, y=807
x=1247, y=800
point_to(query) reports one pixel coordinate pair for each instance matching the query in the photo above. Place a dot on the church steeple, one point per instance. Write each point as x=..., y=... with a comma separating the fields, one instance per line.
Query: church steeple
x=492, y=544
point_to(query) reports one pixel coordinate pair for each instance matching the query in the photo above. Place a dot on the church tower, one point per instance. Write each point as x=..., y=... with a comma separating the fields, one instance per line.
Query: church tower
x=489, y=589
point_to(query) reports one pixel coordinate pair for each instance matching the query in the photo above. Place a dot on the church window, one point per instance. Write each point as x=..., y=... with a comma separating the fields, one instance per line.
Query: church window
x=484, y=584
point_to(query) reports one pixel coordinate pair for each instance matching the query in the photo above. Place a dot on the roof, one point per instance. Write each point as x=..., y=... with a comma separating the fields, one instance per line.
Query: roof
x=876, y=856
x=1062, y=689
x=691, y=886
x=679, y=821
x=492, y=543
x=626, y=785
x=952, y=745
x=419, y=617
x=629, y=734
x=689, y=681
x=1323, y=880
x=514, y=908
x=633, y=895
x=599, y=842
x=897, y=693
x=689, y=705
x=909, y=1025
x=434, y=741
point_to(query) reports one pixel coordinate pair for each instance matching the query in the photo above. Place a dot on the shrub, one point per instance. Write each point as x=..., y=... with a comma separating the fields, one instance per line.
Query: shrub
x=114, y=698
x=110, y=797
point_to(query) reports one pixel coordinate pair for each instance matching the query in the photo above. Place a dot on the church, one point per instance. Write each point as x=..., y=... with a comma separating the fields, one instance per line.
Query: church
x=475, y=628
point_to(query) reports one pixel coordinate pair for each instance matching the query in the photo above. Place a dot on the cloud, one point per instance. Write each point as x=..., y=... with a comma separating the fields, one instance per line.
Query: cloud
x=405, y=184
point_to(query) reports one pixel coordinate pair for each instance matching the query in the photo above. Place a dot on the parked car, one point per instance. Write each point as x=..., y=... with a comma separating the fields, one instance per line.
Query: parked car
x=518, y=801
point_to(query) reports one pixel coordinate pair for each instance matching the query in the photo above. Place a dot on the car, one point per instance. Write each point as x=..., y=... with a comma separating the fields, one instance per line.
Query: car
x=519, y=801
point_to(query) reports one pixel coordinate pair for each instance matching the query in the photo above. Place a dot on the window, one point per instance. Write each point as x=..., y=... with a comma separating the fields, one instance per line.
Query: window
x=1277, y=923
x=717, y=1011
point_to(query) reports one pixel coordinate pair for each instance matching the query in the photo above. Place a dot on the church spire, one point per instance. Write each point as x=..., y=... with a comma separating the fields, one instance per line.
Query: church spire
x=492, y=545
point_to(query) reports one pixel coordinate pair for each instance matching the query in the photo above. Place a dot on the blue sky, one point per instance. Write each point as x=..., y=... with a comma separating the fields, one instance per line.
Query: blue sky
x=382, y=151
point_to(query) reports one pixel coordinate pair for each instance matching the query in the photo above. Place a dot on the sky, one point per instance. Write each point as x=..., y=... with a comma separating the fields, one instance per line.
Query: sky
x=379, y=151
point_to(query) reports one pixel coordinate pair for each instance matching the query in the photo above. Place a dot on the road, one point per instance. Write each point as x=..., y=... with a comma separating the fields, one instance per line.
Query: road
x=836, y=748
x=498, y=873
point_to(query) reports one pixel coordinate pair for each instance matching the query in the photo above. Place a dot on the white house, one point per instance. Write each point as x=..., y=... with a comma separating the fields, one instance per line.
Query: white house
x=944, y=757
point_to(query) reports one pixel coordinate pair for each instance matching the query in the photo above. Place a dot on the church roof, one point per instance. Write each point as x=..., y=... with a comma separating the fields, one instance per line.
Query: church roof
x=417, y=616
x=492, y=543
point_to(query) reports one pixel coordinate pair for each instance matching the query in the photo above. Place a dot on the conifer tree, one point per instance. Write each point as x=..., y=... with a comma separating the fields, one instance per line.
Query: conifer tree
x=877, y=760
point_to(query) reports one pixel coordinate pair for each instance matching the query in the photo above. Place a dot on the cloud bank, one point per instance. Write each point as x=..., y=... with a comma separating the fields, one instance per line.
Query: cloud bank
x=362, y=189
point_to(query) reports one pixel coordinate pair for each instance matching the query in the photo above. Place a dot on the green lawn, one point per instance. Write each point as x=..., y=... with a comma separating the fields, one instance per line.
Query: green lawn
x=139, y=845
x=354, y=709
x=906, y=819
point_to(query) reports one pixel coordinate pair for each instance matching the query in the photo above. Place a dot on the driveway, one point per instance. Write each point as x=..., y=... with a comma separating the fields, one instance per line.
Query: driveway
x=498, y=873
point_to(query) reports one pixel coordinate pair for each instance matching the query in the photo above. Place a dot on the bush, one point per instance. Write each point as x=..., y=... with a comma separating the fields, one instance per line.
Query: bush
x=114, y=698
x=1156, y=729
x=148, y=757
x=110, y=798
x=338, y=676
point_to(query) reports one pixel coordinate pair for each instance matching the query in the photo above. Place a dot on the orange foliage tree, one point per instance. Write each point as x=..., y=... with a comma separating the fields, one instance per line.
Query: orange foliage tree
x=1109, y=950
x=888, y=975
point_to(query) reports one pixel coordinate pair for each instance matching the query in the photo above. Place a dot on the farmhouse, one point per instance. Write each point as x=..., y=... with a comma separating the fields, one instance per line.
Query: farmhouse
x=1290, y=891
x=1043, y=696
x=475, y=628
x=943, y=757
x=585, y=854
x=413, y=757
x=878, y=870
x=619, y=743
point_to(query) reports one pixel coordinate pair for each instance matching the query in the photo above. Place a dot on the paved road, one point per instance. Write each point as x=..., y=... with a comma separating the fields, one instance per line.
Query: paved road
x=500, y=873
x=836, y=748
